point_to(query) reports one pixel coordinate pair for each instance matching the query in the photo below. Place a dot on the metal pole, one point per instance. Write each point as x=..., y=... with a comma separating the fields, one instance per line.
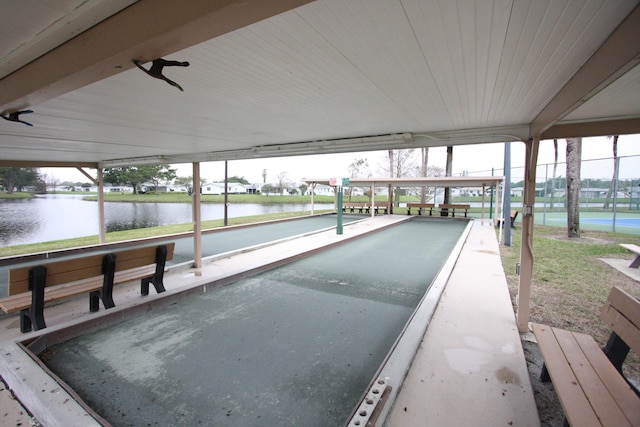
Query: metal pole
x=339, y=227
x=197, y=217
x=101, y=217
x=226, y=192
x=490, y=200
x=546, y=177
x=615, y=193
x=506, y=196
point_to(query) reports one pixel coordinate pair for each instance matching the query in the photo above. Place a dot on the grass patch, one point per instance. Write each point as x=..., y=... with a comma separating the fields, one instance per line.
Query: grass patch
x=15, y=195
x=570, y=284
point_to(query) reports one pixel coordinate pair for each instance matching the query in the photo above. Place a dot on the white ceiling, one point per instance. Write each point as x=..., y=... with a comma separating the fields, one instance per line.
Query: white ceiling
x=327, y=76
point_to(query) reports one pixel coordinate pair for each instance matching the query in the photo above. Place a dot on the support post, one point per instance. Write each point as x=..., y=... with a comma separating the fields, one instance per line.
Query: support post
x=526, y=246
x=197, y=219
x=226, y=193
x=101, y=218
x=506, y=208
x=339, y=227
x=313, y=190
x=373, y=197
x=482, y=207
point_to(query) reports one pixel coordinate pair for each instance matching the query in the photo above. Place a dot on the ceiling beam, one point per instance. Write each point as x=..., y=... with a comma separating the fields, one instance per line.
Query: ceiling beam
x=146, y=30
x=595, y=128
x=617, y=55
x=46, y=164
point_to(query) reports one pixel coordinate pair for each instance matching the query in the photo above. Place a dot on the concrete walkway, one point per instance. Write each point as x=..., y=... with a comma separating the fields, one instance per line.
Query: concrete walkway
x=469, y=370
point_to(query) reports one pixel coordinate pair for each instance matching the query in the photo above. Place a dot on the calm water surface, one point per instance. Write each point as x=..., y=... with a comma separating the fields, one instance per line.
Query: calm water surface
x=56, y=217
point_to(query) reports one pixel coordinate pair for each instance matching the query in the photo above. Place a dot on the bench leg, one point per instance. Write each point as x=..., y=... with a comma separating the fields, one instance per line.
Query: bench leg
x=544, y=374
x=635, y=263
x=616, y=350
x=106, y=293
x=157, y=279
x=33, y=317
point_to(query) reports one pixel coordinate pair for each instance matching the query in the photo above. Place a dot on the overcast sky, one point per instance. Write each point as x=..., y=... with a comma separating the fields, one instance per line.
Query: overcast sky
x=476, y=159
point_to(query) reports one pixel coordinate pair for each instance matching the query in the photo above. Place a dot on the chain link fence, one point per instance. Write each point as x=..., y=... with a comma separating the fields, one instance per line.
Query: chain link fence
x=609, y=196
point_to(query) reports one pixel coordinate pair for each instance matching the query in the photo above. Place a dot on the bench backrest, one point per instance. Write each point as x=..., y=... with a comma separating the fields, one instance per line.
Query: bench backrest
x=58, y=272
x=139, y=257
x=622, y=314
x=66, y=271
x=420, y=205
x=453, y=206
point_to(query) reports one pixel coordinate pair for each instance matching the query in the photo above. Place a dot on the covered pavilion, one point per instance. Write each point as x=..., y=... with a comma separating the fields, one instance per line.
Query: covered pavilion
x=297, y=77
x=483, y=182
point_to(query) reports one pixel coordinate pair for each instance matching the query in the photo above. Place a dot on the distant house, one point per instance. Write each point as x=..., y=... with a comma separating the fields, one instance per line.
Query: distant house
x=321, y=190
x=466, y=191
x=114, y=189
x=212, y=188
x=253, y=188
x=170, y=188
x=596, y=193
x=519, y=192
x=217, y=188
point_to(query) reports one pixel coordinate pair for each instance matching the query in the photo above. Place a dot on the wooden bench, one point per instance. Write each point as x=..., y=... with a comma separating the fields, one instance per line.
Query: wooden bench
x=380, y=207
x=446, y=208
x=352, y=207
x=29, y=288
x=513, y=216
x=420, y=207
x=636, y=250
x=587, y=379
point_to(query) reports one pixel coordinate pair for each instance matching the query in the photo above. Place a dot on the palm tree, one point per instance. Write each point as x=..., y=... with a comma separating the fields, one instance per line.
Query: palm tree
x=615, y=171
x=574, y=155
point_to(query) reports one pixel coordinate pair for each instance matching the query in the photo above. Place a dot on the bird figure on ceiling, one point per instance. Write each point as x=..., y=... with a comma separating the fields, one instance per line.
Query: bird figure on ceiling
x=156, y=69
x=15, y=117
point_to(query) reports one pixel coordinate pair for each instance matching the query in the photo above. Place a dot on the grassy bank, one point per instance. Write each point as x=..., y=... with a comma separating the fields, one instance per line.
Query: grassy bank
x=15, y=195
x=233, y=198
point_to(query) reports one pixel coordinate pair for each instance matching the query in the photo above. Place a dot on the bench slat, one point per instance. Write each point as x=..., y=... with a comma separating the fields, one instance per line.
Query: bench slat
x=629, y=333
x=624, y=397
x=58, y=272
x=21, y=301
x=625, y=303
x=571, y=397
x=137, y=257
x=575, y=347
x=631, y=247
x=71, y=277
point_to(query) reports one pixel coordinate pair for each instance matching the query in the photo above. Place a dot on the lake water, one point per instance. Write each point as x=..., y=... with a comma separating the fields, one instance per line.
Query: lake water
x=62, y=216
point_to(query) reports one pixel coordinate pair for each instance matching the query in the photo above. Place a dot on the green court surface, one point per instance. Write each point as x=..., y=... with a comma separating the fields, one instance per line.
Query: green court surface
x=294, y=346
x=625, y=222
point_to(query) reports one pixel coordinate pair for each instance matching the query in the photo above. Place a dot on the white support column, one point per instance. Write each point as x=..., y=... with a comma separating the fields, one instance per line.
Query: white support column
x=373, y=196
x=526, y=246
x=482, y=208
x=313, y=190
x=102, y=233
x=496, y=218
x=197, y=219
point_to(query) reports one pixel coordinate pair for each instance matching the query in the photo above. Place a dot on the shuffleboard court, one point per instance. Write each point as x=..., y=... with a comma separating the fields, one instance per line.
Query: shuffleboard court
x=297, y=345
